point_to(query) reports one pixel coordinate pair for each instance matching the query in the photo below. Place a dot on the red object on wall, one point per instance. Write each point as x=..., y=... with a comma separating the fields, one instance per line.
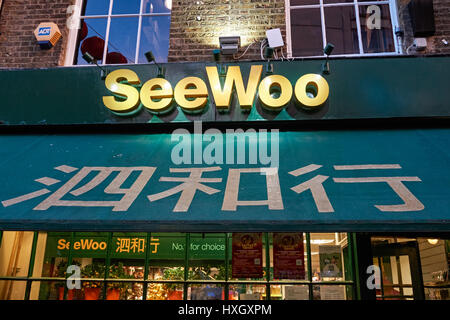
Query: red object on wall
x=84, y=30
x=93, y=45
x=115, y=58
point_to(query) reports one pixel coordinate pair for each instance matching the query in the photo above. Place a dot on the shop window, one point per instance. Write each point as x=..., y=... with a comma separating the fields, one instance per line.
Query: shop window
x=354, y=27
x=412, y=268
x=15, y=253
x=207, y=263
x=435, y=263
x=175, y=266
x=122, y=31
x=330, y=262
x=167, y=254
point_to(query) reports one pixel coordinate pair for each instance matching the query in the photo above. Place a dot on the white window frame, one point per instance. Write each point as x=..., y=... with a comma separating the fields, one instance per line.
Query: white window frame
x=73, y=33
x=394, y=20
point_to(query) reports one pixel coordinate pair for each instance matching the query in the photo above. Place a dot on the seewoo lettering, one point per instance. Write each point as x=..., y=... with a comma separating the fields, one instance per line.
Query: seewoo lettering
x=158, y=95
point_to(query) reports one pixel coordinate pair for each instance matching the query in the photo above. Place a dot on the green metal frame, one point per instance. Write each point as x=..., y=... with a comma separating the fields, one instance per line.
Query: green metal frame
x=186, y=282
x=354, y=263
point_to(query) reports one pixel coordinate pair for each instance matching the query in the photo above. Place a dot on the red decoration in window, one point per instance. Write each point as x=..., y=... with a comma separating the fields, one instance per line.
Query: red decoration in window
x=93, y=45
x=84, y=31
x=115, y=58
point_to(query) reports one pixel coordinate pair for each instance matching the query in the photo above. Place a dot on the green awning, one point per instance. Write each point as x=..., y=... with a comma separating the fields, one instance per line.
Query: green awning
x=360, y=180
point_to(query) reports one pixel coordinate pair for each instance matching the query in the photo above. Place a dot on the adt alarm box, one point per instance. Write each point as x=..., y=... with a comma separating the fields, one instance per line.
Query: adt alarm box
x=47, y=34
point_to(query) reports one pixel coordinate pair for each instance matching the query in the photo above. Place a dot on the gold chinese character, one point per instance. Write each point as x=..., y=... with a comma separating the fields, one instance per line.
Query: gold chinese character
x=123, y=245
x=154, y=242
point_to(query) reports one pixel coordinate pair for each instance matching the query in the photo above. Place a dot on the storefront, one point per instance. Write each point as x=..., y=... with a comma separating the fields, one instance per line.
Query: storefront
x=149, y=187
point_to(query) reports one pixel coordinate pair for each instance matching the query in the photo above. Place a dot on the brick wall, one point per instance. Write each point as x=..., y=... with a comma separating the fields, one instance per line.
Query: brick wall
x=197, y=24
x=442, y=20
x=195, y=28
x=442, y=23
x=18, y=20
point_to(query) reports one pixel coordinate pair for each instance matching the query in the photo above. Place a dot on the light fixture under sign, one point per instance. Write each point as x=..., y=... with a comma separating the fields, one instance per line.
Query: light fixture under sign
x=229, y=45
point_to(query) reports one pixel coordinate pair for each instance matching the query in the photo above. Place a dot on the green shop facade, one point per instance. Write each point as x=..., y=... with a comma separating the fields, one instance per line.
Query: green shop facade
x=140, y=181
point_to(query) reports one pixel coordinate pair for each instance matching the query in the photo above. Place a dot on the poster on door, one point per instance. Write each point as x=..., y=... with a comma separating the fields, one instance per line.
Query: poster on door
x=247, y=255
x=330, y=261
x=288, y=256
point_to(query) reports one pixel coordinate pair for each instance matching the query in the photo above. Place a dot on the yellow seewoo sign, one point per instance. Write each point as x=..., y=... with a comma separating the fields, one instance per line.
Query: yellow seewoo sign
x=191, y=93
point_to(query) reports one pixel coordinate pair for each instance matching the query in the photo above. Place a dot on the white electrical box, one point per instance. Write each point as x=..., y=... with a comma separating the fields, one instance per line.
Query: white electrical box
x=275, y=38
x=420, y=43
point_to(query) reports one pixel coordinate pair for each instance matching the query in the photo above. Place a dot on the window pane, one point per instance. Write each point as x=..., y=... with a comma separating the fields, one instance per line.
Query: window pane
x=92, y=290
x=306, y=32
x=329, y=258
x=97, y=7
x=405, y=270
x=89, y=252
x=52, y=290
x=167, y=254
x=91, y=39
x=290, y=265
x=90, y=249
x=376, y=33
x=303, y=2
x=291, y=292
x=51, y=261
x=125, y=291
x=332, y=292
x=155, y=38
x=205, y=292
x=165, y=291
x=247, y=254
x=247, y=292
x=126, y=6
x=122, y=40
x=435, y=261
x=437, y=293
x=341, y=29
x=157, y=6
x=12, y=290
x=15, y=253
x=127, y=262
x=207, y=257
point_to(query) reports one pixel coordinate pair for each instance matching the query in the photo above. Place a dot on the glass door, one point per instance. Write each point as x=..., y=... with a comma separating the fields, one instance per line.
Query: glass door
x=400, y=272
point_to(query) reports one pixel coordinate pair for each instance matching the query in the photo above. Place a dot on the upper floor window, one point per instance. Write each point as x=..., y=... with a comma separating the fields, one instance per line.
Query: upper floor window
x=122, y=31
x=355, y=27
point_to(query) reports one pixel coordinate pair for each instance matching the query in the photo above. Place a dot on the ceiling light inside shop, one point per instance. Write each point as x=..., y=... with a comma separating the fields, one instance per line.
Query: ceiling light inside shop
x=320, y=241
